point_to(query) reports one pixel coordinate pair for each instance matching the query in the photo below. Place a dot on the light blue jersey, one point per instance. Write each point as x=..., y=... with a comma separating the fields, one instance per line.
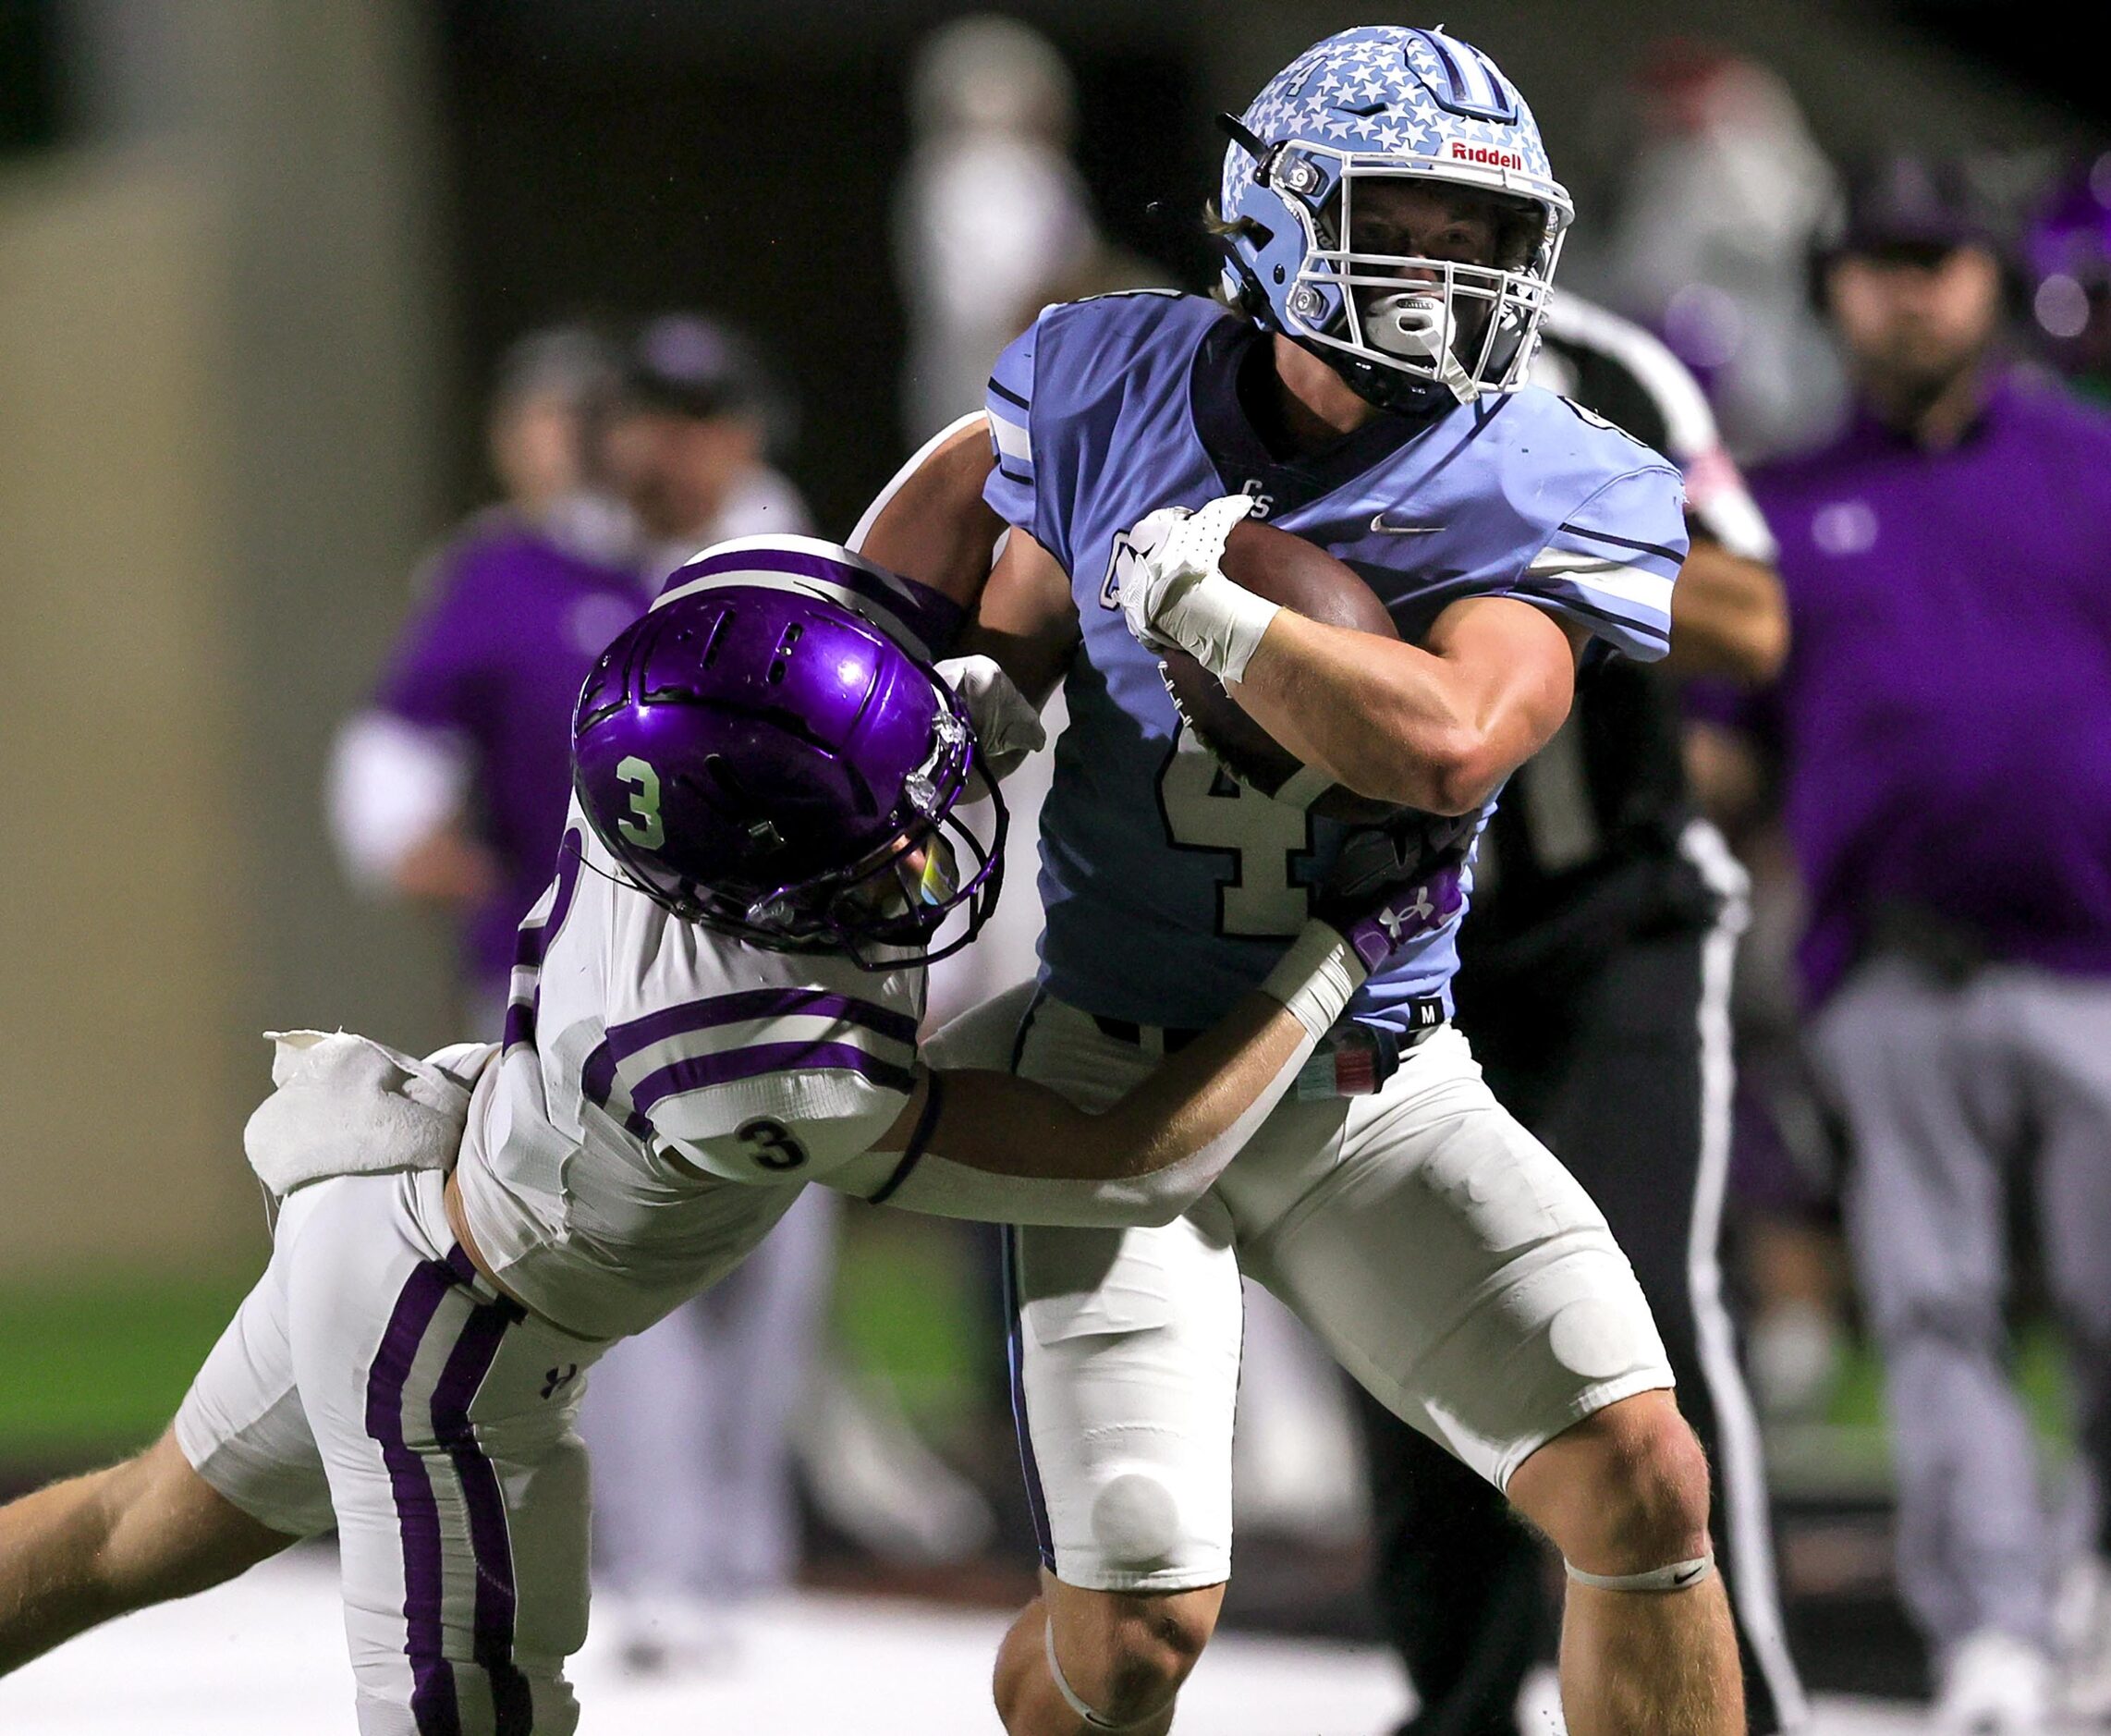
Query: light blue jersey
x=1169, y=887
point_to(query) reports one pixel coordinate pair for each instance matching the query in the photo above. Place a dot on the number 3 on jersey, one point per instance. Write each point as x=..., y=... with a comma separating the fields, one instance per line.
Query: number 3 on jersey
x=1206, y=808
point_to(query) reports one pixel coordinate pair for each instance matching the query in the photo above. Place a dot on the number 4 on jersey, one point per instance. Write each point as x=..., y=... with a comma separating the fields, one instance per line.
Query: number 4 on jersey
x=1206, y=808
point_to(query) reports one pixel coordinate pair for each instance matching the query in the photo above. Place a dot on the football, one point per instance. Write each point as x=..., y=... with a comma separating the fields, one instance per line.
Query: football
x=1300, y=576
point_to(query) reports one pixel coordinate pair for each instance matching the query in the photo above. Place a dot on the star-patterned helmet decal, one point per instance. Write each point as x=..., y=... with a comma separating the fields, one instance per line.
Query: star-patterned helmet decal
x=1376, y=90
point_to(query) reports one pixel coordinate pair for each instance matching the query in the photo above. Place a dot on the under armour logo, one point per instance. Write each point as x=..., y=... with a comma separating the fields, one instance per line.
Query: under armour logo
x=558, y=1378
x=1393, y=922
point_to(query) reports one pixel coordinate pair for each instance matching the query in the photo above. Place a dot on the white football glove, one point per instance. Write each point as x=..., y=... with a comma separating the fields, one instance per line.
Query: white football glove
x=1175, y=594
x=1008, y=728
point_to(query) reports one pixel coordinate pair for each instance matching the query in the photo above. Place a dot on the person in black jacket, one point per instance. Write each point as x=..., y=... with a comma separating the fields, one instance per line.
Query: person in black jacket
x=1594, y=989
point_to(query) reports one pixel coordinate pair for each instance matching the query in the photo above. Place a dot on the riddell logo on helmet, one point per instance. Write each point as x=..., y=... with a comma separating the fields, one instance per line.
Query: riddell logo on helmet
x=1488, y=155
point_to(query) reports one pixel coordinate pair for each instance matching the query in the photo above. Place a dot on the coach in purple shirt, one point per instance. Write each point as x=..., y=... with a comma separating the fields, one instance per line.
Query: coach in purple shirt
x=1944, y=727
x=451, y=787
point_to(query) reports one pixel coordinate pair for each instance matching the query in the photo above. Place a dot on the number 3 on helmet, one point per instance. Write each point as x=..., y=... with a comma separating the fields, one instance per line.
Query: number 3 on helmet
x=762, y=755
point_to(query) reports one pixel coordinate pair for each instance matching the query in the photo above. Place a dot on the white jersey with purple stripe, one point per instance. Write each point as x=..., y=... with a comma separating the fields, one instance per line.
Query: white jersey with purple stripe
x=663, y=1092
x=1169, y=887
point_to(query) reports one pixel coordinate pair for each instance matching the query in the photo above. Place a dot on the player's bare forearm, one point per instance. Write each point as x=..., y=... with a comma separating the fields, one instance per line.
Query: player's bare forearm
x=932, y=523
x=1436, y=726
x=1026, y=619
x=1013, y=1127
x=1729, y=618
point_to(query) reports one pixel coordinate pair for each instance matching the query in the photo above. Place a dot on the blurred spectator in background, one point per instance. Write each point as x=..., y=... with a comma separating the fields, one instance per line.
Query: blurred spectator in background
x=690, y=1424
x=696, y=420
x=990, y=221
x=1594, y=985
x=991, y=216
x=2068, y=255
x=1712, y=240
x=992, y=225
x=450, y=789
x=1944, y=728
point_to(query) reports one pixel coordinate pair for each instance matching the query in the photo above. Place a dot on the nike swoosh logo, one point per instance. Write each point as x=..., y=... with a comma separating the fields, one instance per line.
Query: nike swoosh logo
x=1386, y=528
x=1689, y=1575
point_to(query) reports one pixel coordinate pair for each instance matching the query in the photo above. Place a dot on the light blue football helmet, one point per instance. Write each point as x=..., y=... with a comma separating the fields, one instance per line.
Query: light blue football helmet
x=1398, y=102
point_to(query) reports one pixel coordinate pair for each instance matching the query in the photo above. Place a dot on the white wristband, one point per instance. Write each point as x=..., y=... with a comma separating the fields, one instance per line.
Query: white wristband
x=1316, y=979
x=1219, y=623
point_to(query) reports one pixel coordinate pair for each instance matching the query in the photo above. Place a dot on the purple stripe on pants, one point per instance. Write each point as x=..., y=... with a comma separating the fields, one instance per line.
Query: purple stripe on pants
x=467, y=1366
x=433, y=1701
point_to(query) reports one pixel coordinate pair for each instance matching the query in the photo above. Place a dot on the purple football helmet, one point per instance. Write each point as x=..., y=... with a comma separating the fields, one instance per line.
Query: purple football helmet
x=766, y=760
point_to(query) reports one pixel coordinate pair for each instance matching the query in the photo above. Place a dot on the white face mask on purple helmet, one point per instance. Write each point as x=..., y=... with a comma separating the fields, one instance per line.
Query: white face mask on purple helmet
x=1388, y=104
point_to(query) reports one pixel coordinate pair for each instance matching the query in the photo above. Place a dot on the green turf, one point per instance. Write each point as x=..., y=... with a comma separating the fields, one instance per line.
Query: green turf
x=94, y=1369
x=2040, y=1371
x=905, y=1309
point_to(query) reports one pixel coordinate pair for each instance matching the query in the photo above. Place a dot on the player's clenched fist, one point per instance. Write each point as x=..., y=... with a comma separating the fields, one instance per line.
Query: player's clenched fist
x=1006, y=727
x=1174, y=593
x=1393, y=882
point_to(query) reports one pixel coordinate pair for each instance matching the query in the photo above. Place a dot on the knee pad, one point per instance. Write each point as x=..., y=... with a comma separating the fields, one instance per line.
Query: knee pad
x=1679, y=1576
x=1135, y=1519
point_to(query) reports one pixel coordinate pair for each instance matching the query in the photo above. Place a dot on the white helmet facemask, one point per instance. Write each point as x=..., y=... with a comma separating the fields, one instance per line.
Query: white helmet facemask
x=1467, y=328
x=1385, y=103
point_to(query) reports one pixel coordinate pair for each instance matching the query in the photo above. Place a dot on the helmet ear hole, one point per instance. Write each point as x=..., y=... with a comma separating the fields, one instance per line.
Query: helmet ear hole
x=724, y=779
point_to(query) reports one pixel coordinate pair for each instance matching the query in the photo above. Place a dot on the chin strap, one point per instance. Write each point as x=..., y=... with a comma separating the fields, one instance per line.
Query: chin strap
x=1679, y=1576
x=1092, y=1719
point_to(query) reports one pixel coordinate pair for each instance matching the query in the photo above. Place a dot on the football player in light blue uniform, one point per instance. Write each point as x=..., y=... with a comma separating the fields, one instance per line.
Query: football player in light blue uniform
x=1390, y=226
x=1108, y=408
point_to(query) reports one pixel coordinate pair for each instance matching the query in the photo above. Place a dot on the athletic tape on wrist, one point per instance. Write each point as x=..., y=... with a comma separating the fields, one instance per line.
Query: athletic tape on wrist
x=1092, y=1719
x=1316, y=978
x=1679, y=1576
x=1219, y=622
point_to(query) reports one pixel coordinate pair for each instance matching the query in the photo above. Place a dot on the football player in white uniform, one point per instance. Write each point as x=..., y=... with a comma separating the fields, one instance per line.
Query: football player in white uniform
x=715, y=1002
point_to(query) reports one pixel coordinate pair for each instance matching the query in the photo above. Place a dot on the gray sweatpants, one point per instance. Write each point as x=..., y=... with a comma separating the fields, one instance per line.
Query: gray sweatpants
x=687, y=1425
x=1952, y=1094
